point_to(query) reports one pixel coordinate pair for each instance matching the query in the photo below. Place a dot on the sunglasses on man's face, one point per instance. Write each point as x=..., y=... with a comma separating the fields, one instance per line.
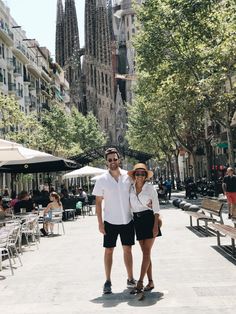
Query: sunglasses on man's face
x=112, y=159
x=140, y=174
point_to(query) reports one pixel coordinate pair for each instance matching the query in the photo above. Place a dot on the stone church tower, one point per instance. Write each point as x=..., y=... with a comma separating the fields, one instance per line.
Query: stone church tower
x=100, y=85
x=68, y=51
x=94, y=88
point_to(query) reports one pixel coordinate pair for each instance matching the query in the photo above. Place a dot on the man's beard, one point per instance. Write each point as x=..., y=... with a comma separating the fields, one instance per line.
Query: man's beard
x=114, y=166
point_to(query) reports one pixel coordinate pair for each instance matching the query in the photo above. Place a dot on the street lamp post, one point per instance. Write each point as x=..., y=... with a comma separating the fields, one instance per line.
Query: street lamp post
x=213, y=145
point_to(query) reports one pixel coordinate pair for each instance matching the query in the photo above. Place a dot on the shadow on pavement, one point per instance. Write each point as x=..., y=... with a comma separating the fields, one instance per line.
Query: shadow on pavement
x=114, y=299
x=226, y=251
x=2, y=277
x=201, y=232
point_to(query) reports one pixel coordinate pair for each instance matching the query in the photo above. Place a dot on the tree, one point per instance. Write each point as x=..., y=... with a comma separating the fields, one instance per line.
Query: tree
x=57, y=131
x=11, y=117
x=87, y=131
x=185, y=53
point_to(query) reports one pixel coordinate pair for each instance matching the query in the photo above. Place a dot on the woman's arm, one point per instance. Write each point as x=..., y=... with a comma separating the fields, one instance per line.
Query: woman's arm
x=154, y=199
x=156, y=210
x=46, y=210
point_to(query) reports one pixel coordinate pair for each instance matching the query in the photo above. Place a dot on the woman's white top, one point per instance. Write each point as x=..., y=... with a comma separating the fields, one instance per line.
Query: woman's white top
x=140, y=202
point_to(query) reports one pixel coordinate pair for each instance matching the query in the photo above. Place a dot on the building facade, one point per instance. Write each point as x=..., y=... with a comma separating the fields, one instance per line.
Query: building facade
x=26, y=69
x=28, y=73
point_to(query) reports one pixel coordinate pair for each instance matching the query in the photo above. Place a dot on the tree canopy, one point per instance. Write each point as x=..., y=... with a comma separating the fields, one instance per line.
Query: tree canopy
x=186, y=52
x=55, y=130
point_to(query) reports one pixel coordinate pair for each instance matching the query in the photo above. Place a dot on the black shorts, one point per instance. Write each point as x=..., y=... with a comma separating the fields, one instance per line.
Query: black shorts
x=143, y=224
x=126, y=233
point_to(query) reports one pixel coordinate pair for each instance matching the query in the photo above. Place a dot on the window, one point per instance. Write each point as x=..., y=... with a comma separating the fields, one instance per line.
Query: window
x=4, y=76
x=3, y=51
x=1, y=76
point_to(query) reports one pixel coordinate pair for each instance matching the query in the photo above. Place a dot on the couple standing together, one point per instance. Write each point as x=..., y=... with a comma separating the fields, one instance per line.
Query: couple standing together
x=130, y=206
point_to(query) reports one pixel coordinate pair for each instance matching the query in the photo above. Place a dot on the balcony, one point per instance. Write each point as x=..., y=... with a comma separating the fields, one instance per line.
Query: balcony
x=6, y=35
x=46, y=74
x=12, y=89
x=32, y=105
x=21, y=53
x=27, y=100
x=17, y=71
x=34, y=69
x=45, y=106
x=10, y=65
x=26, y=80
x=32, y=86
x=38, y=91
x=45, y=90
x=19, y=93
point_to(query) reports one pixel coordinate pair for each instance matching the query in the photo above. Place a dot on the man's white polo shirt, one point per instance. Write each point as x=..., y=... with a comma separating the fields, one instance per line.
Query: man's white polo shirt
x=116, y=197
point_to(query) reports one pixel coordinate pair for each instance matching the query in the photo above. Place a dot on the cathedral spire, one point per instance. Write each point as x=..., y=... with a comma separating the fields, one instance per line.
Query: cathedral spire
x=60, y=34
x=68, y=51
x=70, y=29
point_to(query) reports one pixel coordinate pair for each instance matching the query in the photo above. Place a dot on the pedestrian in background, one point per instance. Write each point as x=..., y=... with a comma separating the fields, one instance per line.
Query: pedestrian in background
x=168, y=185
x=112, y=188
x=229, y=189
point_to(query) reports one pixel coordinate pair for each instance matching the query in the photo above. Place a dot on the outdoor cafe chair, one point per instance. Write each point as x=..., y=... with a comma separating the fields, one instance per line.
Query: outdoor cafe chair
x=4, y=248
x=57, y=219
x=30, y=229
x=14, y=239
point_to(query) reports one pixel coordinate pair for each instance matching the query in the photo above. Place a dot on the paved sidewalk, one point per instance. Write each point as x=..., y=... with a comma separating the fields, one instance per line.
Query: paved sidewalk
x=66, y=274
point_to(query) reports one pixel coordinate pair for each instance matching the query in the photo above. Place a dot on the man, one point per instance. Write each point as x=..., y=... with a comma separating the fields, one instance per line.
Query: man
x=24, y=202
x=81, y=193
x=168, y=186
x=229, y=189
x=112, y=188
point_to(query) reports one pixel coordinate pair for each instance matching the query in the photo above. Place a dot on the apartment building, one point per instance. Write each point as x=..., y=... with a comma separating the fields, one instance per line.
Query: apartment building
x=27, y=71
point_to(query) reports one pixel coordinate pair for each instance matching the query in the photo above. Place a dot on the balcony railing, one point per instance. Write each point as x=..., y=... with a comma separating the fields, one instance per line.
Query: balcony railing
x=11, y=87
x=45, y=90
x=17, y=71
x=45, y=106
x=32, y=86
x=26, y=79
x=27, y=100
x=10, y=65
x=6, y=34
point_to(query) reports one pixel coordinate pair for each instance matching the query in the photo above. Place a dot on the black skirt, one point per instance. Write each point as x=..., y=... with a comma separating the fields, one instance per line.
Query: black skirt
x=143, y=224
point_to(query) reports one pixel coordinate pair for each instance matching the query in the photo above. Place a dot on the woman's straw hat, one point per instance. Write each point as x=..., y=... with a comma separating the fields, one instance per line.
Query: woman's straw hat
x=140, y=166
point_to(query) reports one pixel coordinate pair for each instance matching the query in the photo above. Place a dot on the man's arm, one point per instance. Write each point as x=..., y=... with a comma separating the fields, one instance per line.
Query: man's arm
x=224, y=186
x=99, y=214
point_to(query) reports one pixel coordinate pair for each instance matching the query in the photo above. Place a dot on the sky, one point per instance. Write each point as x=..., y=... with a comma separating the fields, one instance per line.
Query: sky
x=38, y=19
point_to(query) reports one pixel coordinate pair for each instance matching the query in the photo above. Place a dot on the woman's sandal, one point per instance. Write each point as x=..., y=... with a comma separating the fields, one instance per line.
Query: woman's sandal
x=138, y=288
x=149, y=286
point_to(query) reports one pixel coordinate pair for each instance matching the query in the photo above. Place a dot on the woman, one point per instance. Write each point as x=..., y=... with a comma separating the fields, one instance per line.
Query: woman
x=145, y=208
x=54, y=205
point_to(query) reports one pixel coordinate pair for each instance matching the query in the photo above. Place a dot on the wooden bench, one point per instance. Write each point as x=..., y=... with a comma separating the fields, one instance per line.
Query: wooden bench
x=210, y=211
x=227, y=230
